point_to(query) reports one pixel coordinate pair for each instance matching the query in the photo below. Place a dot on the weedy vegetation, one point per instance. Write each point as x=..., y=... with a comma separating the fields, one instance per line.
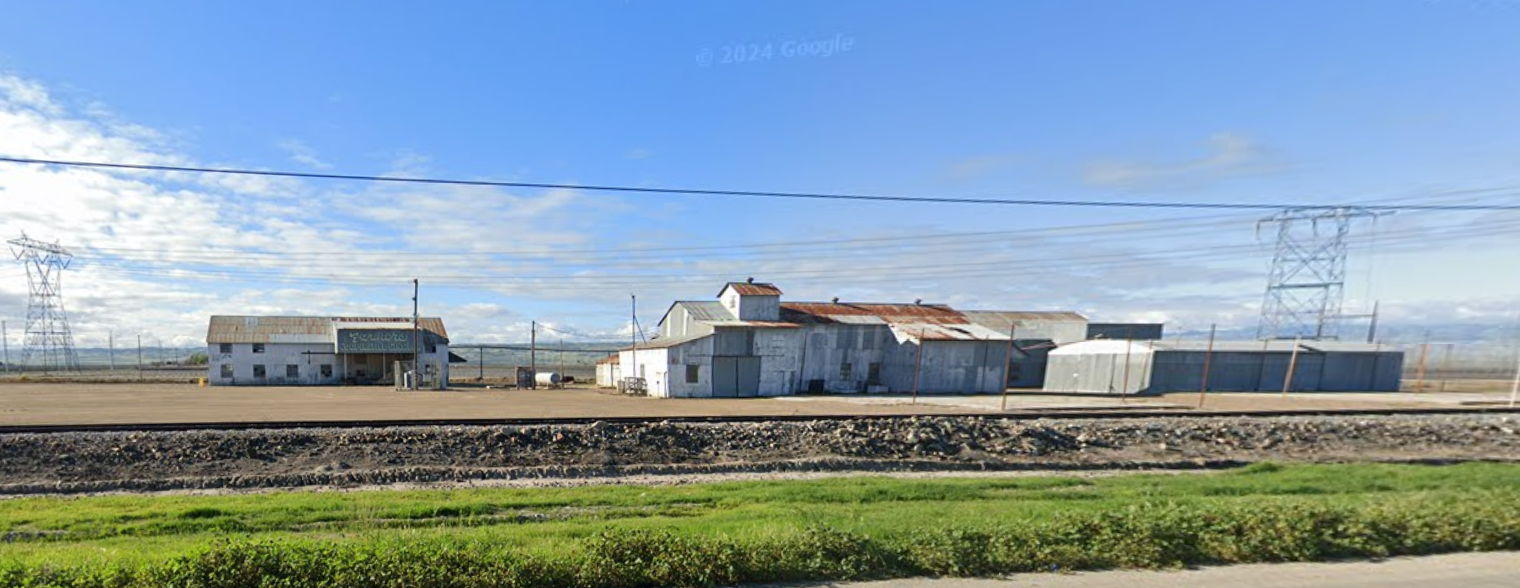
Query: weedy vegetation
x=726, y=533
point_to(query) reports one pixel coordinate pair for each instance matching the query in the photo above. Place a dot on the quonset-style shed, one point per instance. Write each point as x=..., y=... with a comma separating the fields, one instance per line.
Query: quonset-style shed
x=1155, y=367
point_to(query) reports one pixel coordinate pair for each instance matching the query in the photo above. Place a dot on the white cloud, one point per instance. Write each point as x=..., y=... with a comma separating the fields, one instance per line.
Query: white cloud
x=1229, y=155
x=303, y=154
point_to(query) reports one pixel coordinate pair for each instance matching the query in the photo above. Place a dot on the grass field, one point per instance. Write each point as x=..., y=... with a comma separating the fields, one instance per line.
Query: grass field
x=759, y=531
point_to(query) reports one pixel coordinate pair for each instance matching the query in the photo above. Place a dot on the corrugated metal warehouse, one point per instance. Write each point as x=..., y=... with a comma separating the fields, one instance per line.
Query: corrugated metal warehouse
x=750, y=343
x=1153, y=367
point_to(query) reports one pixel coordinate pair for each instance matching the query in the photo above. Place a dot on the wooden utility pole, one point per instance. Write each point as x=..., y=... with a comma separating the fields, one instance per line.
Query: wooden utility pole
x=1208, y=360
x=5, y=345
x=139, y=356
x=918, y=364
x=111, y=345
x=533, y=355
x=1514, y=387
x=633, y=334
x=482, y=362
x=1292, y=367
x=1008, y=364
x=416, y=340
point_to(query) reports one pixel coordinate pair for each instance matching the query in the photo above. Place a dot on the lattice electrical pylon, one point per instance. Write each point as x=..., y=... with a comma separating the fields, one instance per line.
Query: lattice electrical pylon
x=1308, y=276
x=49, y=342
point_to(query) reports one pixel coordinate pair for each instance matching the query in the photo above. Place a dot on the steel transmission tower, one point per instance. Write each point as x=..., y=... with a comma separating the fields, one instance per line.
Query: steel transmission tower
x=49, y=342
x=1308, y=275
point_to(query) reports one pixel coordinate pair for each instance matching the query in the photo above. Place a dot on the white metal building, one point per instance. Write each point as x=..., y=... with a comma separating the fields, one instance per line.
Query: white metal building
x=1107, y=366
x=310, y=350
x=750, y=343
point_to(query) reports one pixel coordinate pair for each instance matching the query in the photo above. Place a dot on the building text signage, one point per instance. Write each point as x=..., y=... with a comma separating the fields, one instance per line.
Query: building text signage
x=375, y=341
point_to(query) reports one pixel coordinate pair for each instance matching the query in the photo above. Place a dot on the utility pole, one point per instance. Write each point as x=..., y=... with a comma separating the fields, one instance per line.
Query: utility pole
x=533, y=355
x=139, y=356
x=1292, y=367
x=111, y=345
x=1008, y=365
x=5, y=341
x=482, y=364
x=416, y=339
x=1208, y=358
x=918, y=364
x=633, y=334
x=1372, y=326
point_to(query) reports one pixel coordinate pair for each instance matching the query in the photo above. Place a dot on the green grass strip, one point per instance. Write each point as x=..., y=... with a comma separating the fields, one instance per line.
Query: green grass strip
x=717, y=534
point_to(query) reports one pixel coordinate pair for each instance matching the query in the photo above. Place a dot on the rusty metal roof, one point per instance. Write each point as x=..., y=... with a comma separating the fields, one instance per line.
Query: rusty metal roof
x=752, y=288
x=852, y=312
x=302, y=329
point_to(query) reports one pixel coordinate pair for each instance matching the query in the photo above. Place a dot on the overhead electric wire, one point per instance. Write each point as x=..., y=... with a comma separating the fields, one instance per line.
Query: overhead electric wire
x=863, y=274
x=753, y=193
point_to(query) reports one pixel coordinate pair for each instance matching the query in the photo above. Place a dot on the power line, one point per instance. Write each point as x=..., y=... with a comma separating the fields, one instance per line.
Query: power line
x=758, y=193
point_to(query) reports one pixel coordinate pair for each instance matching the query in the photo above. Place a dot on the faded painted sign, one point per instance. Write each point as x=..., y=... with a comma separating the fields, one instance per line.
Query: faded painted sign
x=375, y=341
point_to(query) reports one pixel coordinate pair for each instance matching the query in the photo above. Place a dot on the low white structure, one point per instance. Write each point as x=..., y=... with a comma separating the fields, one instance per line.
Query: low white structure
x=607, y=372
x=309, y=350
x=750, y=343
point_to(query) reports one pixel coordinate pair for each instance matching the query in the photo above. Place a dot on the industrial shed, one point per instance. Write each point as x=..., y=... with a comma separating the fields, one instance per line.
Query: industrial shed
x=749, y=342
x=315, y=350
x=1153, y=367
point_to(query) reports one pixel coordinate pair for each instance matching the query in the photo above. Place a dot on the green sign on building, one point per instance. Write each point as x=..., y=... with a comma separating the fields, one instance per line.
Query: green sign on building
x=375, y=341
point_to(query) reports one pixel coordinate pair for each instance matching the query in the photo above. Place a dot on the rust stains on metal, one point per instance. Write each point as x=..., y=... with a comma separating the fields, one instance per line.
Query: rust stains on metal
x=752, y=288
x=845, y=312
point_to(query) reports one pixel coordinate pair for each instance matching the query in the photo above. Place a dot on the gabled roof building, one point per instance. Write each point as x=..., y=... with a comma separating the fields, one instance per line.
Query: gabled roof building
x=314, y=350
x=749, y=342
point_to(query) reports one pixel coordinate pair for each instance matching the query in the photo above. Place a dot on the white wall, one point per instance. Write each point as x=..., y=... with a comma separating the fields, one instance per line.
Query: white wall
x=307, y=357
x=651, y=364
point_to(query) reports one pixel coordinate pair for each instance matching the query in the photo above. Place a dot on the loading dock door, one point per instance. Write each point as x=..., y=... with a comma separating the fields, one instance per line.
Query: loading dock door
x=736, y=376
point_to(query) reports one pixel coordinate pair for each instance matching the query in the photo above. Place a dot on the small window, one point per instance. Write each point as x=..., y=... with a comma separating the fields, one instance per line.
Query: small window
x=226, y=371
x=258, y=372
x=292, y=370
x=844, y=370
x=224, y=348
x=692, y=373
x=326, y=370
x=432, y=348
x=873, y=373
x=258, y=347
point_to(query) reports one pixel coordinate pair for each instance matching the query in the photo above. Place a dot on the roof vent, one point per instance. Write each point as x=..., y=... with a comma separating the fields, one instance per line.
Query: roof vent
x=749, y=280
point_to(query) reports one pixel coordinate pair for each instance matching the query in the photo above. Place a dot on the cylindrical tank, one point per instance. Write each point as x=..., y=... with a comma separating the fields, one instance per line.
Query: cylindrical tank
x=547, y=378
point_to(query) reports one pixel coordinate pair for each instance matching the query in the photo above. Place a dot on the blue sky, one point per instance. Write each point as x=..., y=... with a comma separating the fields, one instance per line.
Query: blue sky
x=1191, y=101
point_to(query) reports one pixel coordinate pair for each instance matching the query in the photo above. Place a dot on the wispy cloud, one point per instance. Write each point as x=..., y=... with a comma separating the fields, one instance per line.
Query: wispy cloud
x=303, y=154
x=1228, y=155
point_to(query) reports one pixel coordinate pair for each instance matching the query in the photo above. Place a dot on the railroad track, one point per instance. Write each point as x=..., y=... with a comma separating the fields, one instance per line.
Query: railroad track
x=1027, y=414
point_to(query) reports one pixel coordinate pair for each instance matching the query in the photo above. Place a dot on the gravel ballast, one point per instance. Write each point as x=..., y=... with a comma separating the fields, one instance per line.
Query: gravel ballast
x=32, y=463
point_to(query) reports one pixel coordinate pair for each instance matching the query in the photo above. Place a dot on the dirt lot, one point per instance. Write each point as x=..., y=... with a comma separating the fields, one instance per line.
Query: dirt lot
x=262, y=458
x=82, y=403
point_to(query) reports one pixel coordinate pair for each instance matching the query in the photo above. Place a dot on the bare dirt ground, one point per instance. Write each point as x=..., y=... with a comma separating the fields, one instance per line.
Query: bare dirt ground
x=34, y=403
x=138, y=461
